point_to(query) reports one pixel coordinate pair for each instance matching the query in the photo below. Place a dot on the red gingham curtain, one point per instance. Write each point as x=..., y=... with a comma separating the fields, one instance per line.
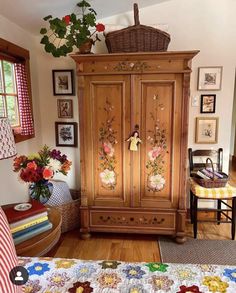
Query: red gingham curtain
x=26, y=119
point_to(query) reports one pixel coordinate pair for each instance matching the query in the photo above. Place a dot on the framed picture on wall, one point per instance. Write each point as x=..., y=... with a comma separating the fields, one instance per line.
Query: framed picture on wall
x=209, y=78
x=65, y=108
x=206, y=130
x=63, y=82
x=208, y=104
x=66, y=134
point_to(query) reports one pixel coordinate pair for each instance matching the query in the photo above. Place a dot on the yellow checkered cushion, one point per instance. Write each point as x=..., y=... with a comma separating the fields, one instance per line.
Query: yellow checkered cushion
x=222, y=192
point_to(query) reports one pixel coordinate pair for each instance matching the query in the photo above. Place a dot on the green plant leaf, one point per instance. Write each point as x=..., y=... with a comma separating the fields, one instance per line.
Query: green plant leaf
x=43, y=31
x=73, y=18
x=92, y=11
x=83, y=4
x=47, y=17
x=44, y=40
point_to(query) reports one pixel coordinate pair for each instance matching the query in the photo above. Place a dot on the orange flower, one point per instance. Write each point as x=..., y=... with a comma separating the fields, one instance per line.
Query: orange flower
x=47, y=173
x=18, y=161
x=32, y=165
x=66, y=166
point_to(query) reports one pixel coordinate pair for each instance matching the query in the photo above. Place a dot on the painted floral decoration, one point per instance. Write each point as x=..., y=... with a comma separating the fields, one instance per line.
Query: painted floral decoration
x=215, y=284
x=133, y=272
x=109, y=264
x=156, y=266
x=109, y=280
x=64, y=263
x=80, y=287
x=207, y=268
x=192, y=289
x=84, y=270
x=38, y=269
x=38, y=168
x=108, y=141
x=231, y=274
x=32, y=286
x=161, y=283
x=158, y=146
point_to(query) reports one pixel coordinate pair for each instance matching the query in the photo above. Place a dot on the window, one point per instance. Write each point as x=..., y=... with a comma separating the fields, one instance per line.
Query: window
x=15, y=90
x=9, y=106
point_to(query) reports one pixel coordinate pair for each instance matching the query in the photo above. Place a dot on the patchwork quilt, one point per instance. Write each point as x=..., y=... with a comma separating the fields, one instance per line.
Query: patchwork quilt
x=54, y=275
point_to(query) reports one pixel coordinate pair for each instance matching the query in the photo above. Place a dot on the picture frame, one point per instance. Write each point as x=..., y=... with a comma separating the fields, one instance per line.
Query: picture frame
x=210, y=78
x=208, y=103
x=65, y=108
x=66, y=134
x=206, y=130
x=63, y=82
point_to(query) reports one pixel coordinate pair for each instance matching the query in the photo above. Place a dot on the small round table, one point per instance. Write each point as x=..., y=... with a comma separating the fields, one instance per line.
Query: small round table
x=41, y=244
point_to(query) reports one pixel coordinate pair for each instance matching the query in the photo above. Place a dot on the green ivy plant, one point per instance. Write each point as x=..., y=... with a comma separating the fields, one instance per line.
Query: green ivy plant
x=71, y=31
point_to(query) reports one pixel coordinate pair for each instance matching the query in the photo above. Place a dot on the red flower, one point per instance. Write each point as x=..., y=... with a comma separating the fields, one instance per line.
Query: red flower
x=100, y=27
x=32, y=165
x=47, y=173
x=193, y=289
x=66, y=19
x=29, y=175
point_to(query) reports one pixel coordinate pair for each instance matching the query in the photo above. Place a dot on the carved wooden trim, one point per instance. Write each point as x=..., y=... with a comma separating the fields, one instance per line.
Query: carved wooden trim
x=132, y=66
x=184, y=142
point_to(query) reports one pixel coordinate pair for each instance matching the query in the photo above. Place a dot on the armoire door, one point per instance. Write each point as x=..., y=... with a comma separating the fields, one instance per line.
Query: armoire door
x=157, y=107
x=107, y=127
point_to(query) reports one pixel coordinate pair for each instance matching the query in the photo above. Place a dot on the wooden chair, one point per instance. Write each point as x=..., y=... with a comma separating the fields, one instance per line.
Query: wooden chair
x=221, y=195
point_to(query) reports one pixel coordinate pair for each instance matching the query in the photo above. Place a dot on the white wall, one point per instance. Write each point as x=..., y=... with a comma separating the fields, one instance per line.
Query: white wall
x=48, y=110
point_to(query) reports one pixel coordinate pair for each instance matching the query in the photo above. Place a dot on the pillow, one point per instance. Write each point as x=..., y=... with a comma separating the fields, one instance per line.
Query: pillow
x=8, y=258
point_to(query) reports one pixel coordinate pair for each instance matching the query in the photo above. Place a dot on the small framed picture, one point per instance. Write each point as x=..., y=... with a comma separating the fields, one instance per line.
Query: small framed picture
x=208, y=104
x=206, y=130
x=66, y=134
x=63, y=82
x=65, y=108
x=209, y=78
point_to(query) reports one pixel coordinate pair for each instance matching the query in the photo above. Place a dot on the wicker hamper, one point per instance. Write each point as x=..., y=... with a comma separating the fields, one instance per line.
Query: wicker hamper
x=70, y=215
x=137, y=38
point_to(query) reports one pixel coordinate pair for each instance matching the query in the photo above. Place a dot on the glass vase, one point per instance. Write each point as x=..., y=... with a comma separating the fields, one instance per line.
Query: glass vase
x=41, y=191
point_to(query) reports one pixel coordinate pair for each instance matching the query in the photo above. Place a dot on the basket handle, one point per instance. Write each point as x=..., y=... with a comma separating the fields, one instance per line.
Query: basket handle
x=136, y=14
x=213, y=171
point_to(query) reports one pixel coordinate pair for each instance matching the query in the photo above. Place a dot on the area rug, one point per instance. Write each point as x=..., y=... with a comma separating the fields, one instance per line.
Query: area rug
x=198, y=251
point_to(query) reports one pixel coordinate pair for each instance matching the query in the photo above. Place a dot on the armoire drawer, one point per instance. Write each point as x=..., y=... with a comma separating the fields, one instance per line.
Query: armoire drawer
x=132, y=219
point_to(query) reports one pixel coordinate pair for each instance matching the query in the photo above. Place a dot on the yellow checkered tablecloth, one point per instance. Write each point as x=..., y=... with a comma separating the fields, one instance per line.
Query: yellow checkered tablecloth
x=226, y=192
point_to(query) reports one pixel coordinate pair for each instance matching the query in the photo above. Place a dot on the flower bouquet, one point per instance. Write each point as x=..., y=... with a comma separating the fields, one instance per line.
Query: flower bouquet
x=37, y=169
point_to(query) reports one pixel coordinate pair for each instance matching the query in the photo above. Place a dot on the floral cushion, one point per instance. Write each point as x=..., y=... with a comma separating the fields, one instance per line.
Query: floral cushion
x=54, y=275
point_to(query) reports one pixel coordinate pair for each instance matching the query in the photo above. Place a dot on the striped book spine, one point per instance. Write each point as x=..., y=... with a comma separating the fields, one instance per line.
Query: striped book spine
x=27, y=220
x=22, y=232
x=32, y=233
x=27, y=225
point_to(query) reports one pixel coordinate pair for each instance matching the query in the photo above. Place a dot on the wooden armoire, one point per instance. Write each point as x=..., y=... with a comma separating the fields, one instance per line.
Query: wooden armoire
x=125, y=190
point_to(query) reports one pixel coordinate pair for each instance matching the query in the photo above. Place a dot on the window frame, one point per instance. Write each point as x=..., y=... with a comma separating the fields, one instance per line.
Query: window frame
x=13, y=53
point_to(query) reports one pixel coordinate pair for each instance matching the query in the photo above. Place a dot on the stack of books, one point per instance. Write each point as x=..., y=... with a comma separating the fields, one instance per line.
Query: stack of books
x=29, y=223
x=208, y=173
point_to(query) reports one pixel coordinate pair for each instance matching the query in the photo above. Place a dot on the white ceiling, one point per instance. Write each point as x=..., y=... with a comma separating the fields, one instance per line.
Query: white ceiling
x=29, y=13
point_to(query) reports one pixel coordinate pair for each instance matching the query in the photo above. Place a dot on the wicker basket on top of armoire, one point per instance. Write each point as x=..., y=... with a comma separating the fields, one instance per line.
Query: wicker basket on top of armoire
x=137, y=38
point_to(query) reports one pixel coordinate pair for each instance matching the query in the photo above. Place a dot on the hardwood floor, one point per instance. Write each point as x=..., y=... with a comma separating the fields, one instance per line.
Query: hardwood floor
x=130, y=247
